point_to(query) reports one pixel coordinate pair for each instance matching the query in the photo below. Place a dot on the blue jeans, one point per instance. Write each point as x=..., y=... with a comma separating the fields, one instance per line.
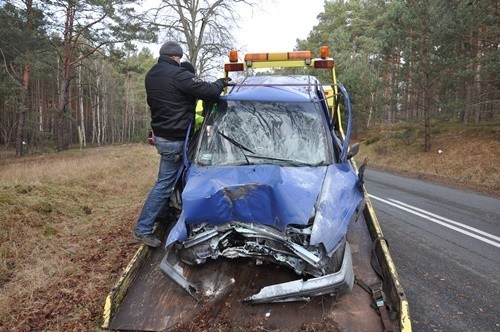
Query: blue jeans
x=170, y=163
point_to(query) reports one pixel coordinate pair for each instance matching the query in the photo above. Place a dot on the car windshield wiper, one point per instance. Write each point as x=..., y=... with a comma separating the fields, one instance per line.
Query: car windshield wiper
x=239, y=145
x=287, y=161
x=253, y=155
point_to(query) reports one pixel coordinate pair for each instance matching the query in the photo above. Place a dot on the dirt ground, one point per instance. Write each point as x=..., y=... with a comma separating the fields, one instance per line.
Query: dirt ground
x=75, y=303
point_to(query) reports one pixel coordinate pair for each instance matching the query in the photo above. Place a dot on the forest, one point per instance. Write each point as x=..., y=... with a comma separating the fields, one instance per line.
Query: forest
x=72, y=72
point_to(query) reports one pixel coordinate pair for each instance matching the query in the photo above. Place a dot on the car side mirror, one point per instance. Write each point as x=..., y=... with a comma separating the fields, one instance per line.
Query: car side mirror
x=353, y=150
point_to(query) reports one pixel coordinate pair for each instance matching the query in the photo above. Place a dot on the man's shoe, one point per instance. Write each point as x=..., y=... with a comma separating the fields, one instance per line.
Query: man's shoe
x=148, y=239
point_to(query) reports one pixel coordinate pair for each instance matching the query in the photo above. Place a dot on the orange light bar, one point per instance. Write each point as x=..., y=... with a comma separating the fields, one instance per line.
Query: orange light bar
x=324, y=64
x=233, y=56
x=299, y=55
x=280, y=56
x=256, y=57
x=233, y=67
x=324, y=52
x=277, y=56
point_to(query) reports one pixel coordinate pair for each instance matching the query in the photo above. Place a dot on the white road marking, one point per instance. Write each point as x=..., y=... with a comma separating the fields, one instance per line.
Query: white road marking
x=456, y=226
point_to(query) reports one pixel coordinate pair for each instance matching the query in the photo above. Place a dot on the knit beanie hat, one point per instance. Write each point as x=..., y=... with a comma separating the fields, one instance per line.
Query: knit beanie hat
x=171, y=48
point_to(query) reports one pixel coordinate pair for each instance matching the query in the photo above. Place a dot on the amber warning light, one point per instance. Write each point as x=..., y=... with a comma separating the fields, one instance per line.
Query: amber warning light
x=233, y=56
x=324, y=52
x=233, y=64
x=325, y=61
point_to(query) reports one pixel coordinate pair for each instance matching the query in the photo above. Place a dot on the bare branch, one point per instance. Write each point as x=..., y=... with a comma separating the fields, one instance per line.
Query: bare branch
x=10, y=70
x=203, y=27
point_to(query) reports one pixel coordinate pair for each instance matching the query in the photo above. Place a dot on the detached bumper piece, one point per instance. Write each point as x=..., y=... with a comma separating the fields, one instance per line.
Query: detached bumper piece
x=172, y=269
x=333, y=284
x=302, y=290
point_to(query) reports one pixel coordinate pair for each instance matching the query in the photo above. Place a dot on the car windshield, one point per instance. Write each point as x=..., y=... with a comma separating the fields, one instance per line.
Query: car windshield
x=259, y=132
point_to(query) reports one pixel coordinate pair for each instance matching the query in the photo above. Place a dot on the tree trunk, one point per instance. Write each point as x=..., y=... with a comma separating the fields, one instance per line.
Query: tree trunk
x=62, y=142
x=426, y=84
x=21, y=115
x=80, y=106
x=23, y=95
x=98, y=114
x=427, y=120
x=477, y=82
x=62, y=110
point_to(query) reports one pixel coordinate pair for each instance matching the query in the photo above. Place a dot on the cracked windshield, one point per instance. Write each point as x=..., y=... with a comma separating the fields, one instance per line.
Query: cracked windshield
x=257, y=132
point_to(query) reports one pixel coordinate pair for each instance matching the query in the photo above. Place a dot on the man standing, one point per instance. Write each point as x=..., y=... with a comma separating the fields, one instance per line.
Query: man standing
x=171, y=95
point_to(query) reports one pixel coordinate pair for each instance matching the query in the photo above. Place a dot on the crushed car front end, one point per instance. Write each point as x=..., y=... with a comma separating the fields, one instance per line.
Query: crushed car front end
x=267, y=214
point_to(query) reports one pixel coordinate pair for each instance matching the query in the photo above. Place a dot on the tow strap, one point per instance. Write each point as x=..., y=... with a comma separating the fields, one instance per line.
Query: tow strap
x=376, y=290
x=377, y=294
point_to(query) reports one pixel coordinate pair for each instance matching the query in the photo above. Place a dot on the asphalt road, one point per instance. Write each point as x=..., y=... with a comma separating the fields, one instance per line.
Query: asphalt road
x=446, y=247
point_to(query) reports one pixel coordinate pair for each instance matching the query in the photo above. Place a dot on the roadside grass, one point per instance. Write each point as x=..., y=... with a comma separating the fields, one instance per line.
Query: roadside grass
x=467, y=157
x=66, y=219
x=65, y=233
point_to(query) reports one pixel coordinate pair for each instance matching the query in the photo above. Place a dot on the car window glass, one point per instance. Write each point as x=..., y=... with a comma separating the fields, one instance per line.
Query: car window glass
x=242, y=132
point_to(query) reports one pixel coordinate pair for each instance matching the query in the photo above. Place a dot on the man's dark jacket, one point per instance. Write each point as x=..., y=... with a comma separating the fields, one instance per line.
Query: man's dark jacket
x=172, y=92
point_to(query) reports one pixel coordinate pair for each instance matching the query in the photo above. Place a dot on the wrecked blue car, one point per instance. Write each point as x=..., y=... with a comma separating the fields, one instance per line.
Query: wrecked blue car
x=269, y=177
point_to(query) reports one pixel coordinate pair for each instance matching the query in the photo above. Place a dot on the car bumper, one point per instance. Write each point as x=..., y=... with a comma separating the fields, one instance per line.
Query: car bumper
x=302, y=290
x=333, y=284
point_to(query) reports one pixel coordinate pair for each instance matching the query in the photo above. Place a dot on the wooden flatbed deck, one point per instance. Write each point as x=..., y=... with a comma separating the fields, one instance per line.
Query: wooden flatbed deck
x=154, y=303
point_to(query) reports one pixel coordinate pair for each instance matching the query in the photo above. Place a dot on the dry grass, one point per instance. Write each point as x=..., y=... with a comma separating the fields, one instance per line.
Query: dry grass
x=469, y=158
x=65, y=231
x=66, y=219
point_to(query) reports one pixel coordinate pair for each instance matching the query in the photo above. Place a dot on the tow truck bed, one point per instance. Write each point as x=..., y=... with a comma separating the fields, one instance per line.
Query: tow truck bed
x=144, y=299
x=155, y=303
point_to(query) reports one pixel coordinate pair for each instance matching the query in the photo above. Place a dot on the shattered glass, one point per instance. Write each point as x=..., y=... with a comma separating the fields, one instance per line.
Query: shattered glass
x=258, y=132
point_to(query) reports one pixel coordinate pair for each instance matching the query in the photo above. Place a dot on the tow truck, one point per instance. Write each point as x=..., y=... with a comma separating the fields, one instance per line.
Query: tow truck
x=274, y=229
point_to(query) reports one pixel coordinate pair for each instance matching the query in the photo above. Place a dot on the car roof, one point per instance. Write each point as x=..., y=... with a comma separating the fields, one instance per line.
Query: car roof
x=290, y=88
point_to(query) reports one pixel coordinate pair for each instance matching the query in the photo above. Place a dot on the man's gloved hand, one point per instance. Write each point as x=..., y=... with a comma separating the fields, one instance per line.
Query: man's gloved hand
x=226, y=81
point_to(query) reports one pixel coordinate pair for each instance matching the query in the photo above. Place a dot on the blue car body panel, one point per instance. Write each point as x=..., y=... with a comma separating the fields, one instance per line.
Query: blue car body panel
x=280, y=88
x=272, y=195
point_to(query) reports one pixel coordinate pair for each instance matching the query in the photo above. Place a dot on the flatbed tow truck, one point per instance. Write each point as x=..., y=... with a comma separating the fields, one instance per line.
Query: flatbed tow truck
x=144, y=299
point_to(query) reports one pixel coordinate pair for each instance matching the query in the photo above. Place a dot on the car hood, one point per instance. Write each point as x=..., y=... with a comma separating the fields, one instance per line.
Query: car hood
x=272, y=195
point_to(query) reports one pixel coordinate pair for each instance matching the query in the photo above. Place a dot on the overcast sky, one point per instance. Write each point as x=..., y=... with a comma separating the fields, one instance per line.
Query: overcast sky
x=275, y=26
x=272, y=26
